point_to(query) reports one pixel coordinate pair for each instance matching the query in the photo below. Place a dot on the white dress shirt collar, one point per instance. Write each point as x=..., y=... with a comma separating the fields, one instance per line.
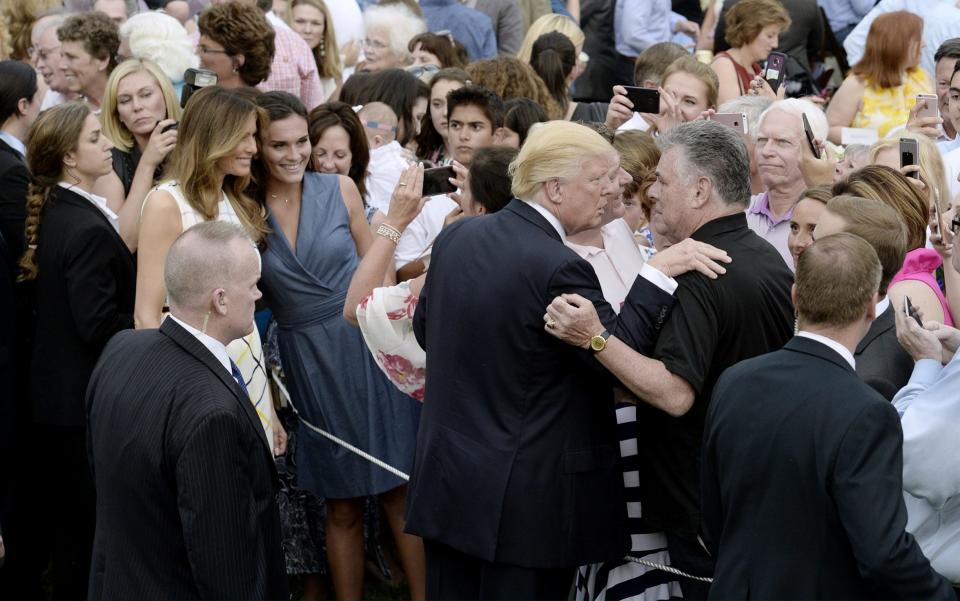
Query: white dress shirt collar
x=213, y=345
x=882, y=306
x=833, y=345
x=550, y=217
x=15, y=143
x=98, y=201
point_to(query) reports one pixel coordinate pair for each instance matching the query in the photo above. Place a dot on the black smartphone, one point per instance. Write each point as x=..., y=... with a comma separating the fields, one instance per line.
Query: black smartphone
x=910, y=155
x=193, y=80
x=909, y=311
x=644, y=100
x=169, y=127
x=775, y=69
x=437, y=181
x=809, y=133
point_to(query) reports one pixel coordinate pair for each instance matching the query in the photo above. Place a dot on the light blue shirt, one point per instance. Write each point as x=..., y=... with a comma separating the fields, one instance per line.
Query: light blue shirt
x=929, y=408
x=639, y=24
x=941, y=20
x=844, y=13
x=14, y=142
x=945, y=145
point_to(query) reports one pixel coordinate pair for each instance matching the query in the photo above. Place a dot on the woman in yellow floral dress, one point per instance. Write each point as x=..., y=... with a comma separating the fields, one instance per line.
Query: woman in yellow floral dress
x=882, y=88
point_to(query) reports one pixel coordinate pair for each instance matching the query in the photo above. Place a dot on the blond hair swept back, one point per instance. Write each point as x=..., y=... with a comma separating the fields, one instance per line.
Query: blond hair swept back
x=932, y=171
x=113, y=128
x=202, y=141
x=555, y=149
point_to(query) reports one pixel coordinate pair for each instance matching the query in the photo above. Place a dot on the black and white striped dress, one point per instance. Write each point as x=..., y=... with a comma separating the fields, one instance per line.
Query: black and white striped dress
x=624, y=579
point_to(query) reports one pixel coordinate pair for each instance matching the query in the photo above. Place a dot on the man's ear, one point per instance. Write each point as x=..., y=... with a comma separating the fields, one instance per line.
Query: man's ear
x=498, y=135
x=218, y=301
x=553, y=191
x=793, y=295
x=22, y=105
x=872, y=307
x=704, y=188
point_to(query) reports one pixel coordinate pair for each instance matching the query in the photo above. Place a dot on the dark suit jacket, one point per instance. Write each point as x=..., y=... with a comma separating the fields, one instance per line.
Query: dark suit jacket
x=84, y=293
x=881, y=361
x=802, y=484
x=185, y=481
x=517, y=449
x=14, y=179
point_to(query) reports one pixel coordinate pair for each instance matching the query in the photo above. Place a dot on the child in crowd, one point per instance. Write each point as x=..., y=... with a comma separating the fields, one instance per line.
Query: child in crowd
x=387, y=158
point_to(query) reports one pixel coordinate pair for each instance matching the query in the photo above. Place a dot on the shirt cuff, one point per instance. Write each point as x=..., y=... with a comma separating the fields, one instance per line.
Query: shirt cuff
x=658, y=278
x=925, y=372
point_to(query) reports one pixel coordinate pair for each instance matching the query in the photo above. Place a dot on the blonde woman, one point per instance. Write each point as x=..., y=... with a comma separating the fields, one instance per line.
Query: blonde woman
x=311, y=19
x=209, y=172
x=546, y=24
x=931, y=169
x=139, y=105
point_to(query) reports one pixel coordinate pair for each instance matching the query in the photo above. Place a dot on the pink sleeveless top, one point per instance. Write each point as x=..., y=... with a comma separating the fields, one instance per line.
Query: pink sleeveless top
x=920, y=265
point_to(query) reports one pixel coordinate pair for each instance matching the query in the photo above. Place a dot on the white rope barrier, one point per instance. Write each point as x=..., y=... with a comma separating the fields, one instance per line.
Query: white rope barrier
x=331, y=437
x=286, y=395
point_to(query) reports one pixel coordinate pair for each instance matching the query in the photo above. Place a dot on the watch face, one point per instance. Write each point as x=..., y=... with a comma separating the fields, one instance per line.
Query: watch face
x=597, y=343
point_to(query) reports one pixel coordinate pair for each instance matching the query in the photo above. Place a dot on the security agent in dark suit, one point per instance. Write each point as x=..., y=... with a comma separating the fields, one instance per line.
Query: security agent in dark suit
x=515, y=481
x=185, y=479
x=802, y=462
x=881, y=361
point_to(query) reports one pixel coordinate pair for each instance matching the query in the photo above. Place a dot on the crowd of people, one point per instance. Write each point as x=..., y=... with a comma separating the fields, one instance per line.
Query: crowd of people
x=486, y=299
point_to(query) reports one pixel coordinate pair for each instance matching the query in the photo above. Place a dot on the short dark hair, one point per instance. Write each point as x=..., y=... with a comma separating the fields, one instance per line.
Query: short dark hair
x=445, y=47
x=19, y=81
x=948, y=49
x=480, y=97
x=520, y=114
x=489, y=180
x=880, y=225
x=96, y=31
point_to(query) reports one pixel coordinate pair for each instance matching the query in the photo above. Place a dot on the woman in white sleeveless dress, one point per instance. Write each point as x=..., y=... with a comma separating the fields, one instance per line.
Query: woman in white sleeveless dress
x=208, y=173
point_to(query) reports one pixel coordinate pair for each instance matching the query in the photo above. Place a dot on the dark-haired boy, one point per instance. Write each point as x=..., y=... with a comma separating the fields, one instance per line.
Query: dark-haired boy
x=475, y=120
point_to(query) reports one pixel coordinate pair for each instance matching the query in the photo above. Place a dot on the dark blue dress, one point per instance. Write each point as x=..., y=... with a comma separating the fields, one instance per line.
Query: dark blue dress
x=331, y=375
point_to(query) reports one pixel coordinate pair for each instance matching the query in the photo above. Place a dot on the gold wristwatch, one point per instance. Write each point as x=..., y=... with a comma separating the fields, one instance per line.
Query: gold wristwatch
x=599, y=342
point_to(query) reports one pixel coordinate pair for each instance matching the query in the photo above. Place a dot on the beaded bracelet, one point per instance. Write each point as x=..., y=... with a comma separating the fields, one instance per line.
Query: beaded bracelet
x=389, y=232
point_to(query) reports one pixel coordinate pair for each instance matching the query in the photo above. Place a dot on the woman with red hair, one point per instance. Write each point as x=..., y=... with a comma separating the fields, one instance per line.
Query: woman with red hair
x=882, y=88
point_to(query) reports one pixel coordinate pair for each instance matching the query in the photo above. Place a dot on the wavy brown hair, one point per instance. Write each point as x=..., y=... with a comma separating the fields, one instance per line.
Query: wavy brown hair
x=55, y=133
x=509, y=78
x=211, y=128
x=892, y=188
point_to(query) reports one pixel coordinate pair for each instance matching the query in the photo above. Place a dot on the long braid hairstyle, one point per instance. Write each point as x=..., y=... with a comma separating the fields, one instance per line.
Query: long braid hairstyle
x=55, y=133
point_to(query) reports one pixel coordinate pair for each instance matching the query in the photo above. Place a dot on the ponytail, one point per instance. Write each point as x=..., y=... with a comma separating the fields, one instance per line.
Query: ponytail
x=549, y=67
x=553, y=57
x=36, y=199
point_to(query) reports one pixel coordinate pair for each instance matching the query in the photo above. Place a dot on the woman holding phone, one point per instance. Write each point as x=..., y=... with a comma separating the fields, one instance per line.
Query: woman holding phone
x=753, y=30
x=318, y=234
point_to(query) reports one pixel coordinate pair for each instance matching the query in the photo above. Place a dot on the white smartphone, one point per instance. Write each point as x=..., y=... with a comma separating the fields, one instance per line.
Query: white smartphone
x=933, y=106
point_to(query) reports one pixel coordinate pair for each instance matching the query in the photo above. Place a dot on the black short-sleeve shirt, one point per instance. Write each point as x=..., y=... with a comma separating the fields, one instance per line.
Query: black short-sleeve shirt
x=714, y=324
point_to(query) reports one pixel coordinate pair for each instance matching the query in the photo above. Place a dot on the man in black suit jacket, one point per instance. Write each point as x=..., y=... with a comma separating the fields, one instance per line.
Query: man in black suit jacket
x=515, y=481
x=802, y=462
x=881, y=361
x=185, y=479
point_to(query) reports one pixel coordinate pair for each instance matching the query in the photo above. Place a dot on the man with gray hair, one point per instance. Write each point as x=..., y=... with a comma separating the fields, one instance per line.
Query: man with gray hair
x=701, y=192
x=780, y=142
x=184, y=476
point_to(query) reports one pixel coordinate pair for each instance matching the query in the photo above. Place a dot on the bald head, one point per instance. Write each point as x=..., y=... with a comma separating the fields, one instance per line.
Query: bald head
x=206, y=257
x=380, y=123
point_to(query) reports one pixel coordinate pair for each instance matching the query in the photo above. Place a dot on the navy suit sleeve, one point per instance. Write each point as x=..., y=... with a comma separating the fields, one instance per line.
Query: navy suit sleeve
x=640, y=318
x=91, y=282
x=867, y=486
x=216, y=506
